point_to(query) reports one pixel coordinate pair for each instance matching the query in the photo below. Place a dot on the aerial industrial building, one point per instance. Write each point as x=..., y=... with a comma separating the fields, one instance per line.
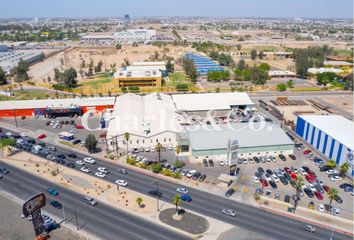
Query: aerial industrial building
x=203, y=64
x=332, y=135
x=10, y=59
x=134, y=35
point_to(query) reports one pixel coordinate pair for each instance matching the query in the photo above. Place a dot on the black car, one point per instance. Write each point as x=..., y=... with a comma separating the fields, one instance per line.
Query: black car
x=324, y=168
x=260, y=170
x=306, y=169
x=76, y=141
x=202, y=178
x=239, y=161
x=287, y=176
x=344, y=185
x=282, y=157
x=287, y=198
x=61, y=156
x=60, y=161
x=308, y=192
x=292, y=156
x=256, y=159
x=56, y=204
x=47, y=123
x=257, y=174
x=229, y=192
x=196, y=175
x=4, y=171
x=123, y=171
x=205, y=163
x=283, y=180
x=270, y=172
x=338, y=199
x=155, y=193
x=72, y=155
x=292, y=183
x=211, y=163
x=51, y=226
x=70, y=165
x=273, y=184
x=319, y=188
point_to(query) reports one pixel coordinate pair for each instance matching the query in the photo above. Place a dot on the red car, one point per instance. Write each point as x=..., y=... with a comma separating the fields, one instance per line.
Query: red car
x=309, y=178
x=293, y=176
x=307, y=152
x=286, y=169
x=41, y=136
x=318, y=195
x=264, y=182
x=312, y=174
x=78, y=126
x=326, y=188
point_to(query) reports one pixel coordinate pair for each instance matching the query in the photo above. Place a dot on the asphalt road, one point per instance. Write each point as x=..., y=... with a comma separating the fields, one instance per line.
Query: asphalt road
x=248, y=217
x=101, y=220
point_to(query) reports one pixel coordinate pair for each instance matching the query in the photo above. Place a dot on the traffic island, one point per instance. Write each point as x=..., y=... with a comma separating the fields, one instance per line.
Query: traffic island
x=184, y=221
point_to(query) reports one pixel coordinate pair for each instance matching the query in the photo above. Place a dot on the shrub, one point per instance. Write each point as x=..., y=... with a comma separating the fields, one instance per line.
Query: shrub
x=54, y=173
x=176, y=175
x=156, y=168
x=178, y=164
x=167, y=172
x=131, y=161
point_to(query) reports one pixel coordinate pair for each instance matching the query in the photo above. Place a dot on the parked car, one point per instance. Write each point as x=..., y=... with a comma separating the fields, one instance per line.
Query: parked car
x=229, y=192
x=202, y=178
x=76, y=141
x=70, y=165
x=292, y=156
x=41, y=136
x=287, y=198
x=282, y=157
x=89, y=160
x=211, y=163
x=205, y=162
x=121, y=182
x=72, y=155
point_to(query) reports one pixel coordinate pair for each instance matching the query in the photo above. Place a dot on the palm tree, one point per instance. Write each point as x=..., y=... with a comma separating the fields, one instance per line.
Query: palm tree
x=332, y=195
x=177, y=201
x=331, y=163
x=299, y=182
x=126, y=137
x=158, y=149
x=139, y=201
x=178, y=151
x=344, y=168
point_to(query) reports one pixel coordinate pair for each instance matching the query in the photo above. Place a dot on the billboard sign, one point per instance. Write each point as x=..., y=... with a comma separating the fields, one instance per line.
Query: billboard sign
x=37, y=222
x=33, y=203
x=232, y=153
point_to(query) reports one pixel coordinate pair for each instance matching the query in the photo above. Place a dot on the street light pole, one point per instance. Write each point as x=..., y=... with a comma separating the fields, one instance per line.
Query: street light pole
x=77, y=224
x=157, y=196
x=15, y=118
x=64, y=217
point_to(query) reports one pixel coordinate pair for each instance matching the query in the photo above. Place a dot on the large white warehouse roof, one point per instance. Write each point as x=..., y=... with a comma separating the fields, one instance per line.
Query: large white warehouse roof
x=210, y=101
x=335, y=126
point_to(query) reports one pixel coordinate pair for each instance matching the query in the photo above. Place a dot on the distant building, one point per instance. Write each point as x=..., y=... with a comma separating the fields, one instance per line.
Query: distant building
x=142, y=74
x=134, y=35
x=101, y=39
x=338, y=64
x=277, y=55
x=10, y=59
x=203, y=64
x=281, y=73
x=3, y=48
x=127, y=18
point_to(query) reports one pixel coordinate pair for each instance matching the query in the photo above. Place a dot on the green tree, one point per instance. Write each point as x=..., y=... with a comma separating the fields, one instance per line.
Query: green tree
x=298, y=183
x=57, y=75
x=214, y=55
x=281, y=87
x=118, y=46
x=2, y=77
x=98, y=67
x=302, y=63
x=177, y=201
x=20, y=71
x=253, y=54
x=258, y=76
x=178, y=151
x=178, y=164
x=225, y=59
x=91, y=143
x=126, y=138
x=331, y=164
x=156, y=168
x=182, y=87
x=241, y=64
x=139, y=201
x=261, y=55
x=158, y=149
x=70, y=76
x=170, y=67
x=332, y=195
x=238, y=46
x=344, y=168
x=290, y=83
x=190, y=70
x=264, y=67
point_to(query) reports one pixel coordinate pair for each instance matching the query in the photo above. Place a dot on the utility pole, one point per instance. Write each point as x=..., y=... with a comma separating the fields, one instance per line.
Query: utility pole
x=15, y=118
x=157, y=194
x=64, y=217
x=77, y=224
x=117, y=146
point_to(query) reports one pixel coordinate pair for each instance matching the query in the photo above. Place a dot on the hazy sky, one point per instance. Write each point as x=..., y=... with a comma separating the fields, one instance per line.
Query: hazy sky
x=218, y=8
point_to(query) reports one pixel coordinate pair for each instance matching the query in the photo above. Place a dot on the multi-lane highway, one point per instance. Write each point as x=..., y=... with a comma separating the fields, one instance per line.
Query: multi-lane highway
x=248, y=217
x=101, y=220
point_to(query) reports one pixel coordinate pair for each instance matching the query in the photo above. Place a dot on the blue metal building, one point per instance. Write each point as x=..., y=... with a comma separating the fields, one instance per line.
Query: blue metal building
x=203, y=64
x=332, y=135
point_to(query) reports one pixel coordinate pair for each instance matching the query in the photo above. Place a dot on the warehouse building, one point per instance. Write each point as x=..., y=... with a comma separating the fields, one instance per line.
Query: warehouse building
x=255, y=139
x=10, y=59
x=332, y=135
x=141, y=74
x=203, y=64
x=134, y=36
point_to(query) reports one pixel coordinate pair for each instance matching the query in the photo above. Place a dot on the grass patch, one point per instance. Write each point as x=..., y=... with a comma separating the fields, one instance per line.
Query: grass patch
x=5, y=98
x=178, y=77
x=28, y=95
x=97, y=82
x=343, y=53
x=66, y=143
x=309, y=89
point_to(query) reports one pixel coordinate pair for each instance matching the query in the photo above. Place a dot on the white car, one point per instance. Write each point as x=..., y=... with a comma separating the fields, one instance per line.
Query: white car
x=8, y=134
x=302, y=171
x=321, y=207
x=229, y=212
x=89, y=160
x=103, y=170
x=100, y=174
x=221, y=162
x=182, y=190
x=191, y=173
x=226, y=162
x=311, y=187
x=80, y=162
x=122, y=183
x=275, y=178
x=255, y=179
x=85, y=169
x=147, y=149
x=267, y=177
x=331, y=171
x=23, y=135
x=336, y=211
x=335, y=178
x=170, y=147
